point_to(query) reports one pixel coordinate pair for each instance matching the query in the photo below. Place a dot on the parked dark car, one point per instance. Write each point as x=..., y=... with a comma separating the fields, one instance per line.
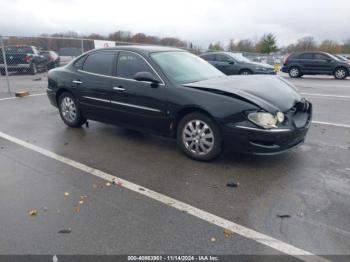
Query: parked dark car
x=174, y=93
x=53, y=60
x=236, y=64
x=315, y=63
x=22, y=58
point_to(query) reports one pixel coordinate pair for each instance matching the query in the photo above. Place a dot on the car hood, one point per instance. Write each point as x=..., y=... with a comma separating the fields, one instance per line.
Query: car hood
x=271, y=93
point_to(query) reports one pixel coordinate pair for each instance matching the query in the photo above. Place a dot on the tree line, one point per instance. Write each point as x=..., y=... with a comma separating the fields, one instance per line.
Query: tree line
x=267, y=44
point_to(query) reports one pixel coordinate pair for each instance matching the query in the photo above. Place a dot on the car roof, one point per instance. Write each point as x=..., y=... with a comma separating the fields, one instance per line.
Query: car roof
x=144, y=49
x=215, y=52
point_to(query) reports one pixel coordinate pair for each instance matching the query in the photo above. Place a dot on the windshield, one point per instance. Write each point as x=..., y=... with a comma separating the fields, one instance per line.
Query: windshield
x=183, y=67
x=240, y=58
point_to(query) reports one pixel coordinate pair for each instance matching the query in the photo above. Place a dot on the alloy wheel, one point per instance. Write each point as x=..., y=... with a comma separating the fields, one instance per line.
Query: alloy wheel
x=198, y=137
x=68, y=109
x=294, y=72
x=340, y=73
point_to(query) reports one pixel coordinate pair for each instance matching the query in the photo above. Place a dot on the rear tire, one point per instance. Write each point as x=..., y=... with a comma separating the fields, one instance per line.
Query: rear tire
x=70, y=110
x=245, y=72
x=199, y=137
x=340, y=73
x=33, y=69
x=294, y=72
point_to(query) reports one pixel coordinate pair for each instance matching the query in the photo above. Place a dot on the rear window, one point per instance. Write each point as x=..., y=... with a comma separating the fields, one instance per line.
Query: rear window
x=99, y=63
x=19, y=50
x=305, y=56
x=210, y=57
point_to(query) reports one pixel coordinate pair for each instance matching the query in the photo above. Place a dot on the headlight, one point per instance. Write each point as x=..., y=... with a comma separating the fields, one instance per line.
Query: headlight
x=266, y=120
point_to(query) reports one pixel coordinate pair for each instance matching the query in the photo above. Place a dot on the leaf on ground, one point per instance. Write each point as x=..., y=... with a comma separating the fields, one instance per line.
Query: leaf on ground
x=76, y=209
x=65, y=231
x=33, y=212
x=83, y=197
x=81, y=202
x=284, y=216
x=228, y=232
x=232, y=184
x=66, y=194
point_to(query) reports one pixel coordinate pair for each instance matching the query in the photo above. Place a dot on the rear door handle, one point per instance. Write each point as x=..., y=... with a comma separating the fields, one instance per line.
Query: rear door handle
x=119, y=89
x=77, y=82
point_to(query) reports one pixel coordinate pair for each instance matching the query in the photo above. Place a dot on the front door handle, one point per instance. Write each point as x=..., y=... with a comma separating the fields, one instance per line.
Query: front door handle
x=118, y=88
x=77, y=82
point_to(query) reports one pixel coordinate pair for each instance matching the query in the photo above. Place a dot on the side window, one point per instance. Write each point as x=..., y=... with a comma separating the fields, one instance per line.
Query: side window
x=99, y=63
x=129, y=64
x=210, y=57
x=79, y=63
x=305, y=56
x=321, y=56
x=223, y=58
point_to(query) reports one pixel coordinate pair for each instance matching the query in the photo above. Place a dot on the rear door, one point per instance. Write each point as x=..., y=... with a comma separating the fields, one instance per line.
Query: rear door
x=306, y=62
x=138, y=104
x=93, y=83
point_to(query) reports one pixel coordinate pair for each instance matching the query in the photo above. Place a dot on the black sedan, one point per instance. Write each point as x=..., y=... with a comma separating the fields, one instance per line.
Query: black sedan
x=174, y=93
x=236, y=64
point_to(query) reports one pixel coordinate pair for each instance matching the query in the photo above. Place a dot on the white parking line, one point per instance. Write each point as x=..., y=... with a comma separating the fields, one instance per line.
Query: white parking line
x=325, y=95
x=331, y=124
x=206, y=216
x=14, y=97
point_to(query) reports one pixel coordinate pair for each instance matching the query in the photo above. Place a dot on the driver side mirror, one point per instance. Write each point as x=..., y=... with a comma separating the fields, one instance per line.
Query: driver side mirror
x=146, y=76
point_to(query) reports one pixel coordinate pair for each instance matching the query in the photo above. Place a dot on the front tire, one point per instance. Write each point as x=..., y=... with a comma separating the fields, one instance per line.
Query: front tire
x=199, y=137
x=70, y=111
x=340, y=73
x=294, y=72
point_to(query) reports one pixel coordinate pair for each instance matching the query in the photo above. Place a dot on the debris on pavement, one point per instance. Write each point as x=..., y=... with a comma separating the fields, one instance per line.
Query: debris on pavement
x=95, y=186
x=37, y=79
x=232, y=184
x=22, y=93
x=65, y=231
x=301, y=214
x=212, y=239
x=55, y=258
x=81, y=202
x=45, y=209
x=284, y=216
x=66, y=194
x=214, y=186
x=108, y=184
x=33, y=212
x=76, y=209
x=83, y=197
x=228, y=232
x=66, y=143
x=141, y=189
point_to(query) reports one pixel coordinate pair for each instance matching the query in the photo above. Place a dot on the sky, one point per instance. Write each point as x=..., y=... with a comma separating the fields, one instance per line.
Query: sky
x=197, y=21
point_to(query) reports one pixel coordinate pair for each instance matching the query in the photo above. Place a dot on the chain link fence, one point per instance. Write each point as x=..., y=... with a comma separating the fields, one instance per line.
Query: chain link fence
x=25, y=61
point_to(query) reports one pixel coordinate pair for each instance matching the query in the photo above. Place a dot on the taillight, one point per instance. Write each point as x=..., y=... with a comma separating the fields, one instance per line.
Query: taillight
x=285, y=59
x=28, y=58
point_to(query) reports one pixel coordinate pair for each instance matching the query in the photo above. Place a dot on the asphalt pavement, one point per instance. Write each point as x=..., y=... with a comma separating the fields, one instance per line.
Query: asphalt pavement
x=300, y=198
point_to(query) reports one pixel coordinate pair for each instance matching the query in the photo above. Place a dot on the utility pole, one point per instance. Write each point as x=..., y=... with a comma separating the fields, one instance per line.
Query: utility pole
x=5, y=63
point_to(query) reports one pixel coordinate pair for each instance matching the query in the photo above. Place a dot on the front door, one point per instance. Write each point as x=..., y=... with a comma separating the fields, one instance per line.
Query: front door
x=138, y=104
